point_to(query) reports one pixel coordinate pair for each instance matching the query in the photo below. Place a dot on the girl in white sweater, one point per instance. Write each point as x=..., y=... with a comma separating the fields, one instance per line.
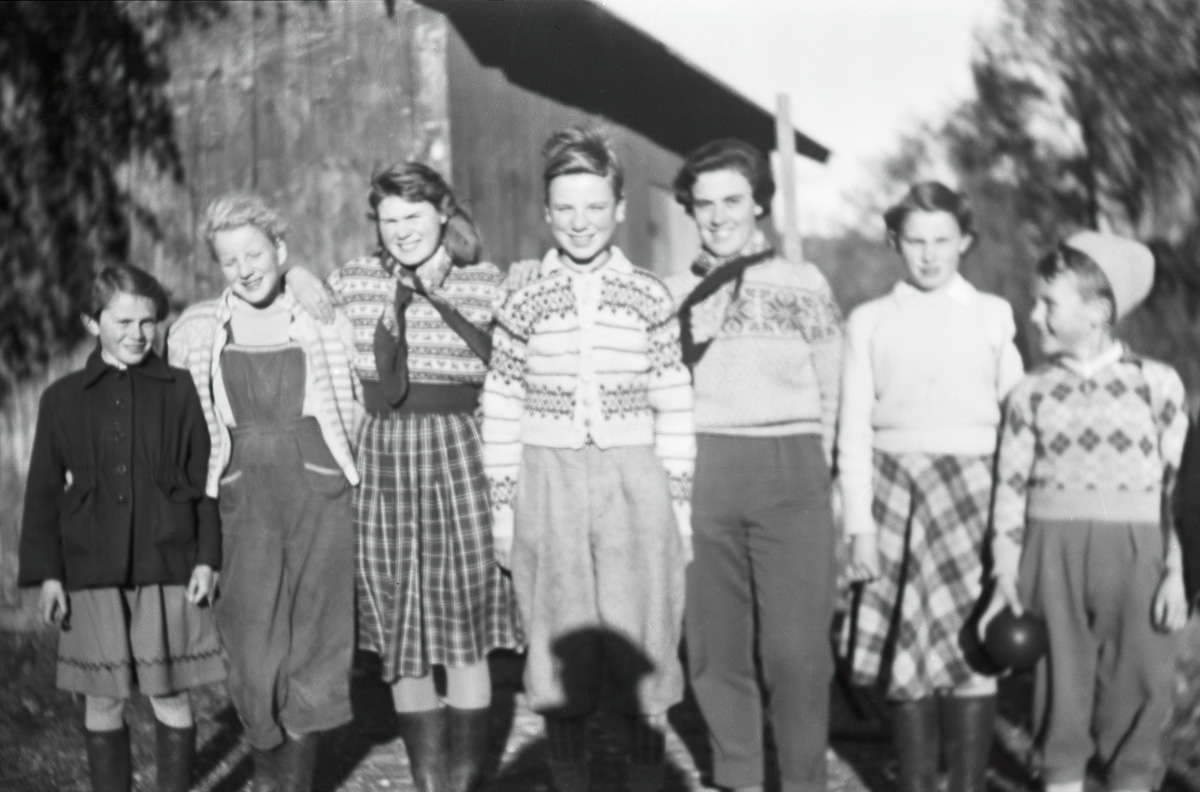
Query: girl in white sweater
x=925, y=369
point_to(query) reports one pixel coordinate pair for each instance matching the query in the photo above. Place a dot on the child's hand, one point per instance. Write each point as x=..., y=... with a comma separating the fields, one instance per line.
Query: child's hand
x=864, y=558
x=53, y=603
x=502, y=550
x=310, y=292
x=203, y=584
x=522, y=273
x=1170, y=602
x=1003, y=595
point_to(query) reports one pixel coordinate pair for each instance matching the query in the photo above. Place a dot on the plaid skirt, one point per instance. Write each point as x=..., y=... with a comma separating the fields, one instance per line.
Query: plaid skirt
x=147, y=639
x=429, y=588
x=912, y=628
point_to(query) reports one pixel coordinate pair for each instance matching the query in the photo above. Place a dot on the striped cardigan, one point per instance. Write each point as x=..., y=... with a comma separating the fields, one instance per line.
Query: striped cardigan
x=587, y=356
x=195, y=343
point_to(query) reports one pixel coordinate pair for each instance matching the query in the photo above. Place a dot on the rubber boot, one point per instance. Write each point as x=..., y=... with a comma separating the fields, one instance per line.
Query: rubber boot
x=108, y=759
x=645, y=778
x=174, y=754
x=570, y=776
x=468, y=740
x=266, y=770
x=297, y=762
x=915, y=734
x=425, y=738
x=967, y=726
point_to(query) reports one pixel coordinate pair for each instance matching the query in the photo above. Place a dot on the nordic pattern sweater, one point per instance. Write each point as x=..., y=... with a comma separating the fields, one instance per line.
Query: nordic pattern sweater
x=587, y=355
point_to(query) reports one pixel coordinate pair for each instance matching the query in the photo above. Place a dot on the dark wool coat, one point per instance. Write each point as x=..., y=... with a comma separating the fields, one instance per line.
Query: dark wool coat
x=116, y=481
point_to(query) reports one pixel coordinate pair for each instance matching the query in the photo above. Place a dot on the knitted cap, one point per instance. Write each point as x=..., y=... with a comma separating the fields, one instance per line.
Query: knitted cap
x=1128, y=264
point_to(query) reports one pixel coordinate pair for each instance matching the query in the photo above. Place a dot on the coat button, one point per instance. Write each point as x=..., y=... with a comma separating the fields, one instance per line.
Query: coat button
x=121, y=468
x=121, y=499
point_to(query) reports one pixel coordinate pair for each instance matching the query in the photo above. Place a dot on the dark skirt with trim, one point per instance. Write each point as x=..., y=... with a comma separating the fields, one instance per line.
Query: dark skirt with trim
x=147, y=639
x=429, y=588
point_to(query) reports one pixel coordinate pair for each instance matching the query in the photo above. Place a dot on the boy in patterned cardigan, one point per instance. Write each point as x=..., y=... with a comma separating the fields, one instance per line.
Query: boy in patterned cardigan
x=1082, y=526
x=589, y=446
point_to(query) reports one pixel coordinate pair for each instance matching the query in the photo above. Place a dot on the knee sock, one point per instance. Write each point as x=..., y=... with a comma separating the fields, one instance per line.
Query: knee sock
x=1065, y=786
x=649, y=739
x=469, y=687
x=174, y=711
x=415, y=694
x=103, y=714
x=567, y=739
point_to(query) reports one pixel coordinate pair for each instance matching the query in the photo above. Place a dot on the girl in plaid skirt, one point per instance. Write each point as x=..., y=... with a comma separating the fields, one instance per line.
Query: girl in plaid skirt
x=429, y=589
x=925, y=369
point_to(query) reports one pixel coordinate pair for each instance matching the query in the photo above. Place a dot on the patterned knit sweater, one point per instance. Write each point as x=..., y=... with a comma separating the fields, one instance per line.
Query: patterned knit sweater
x=773, y=368
x=587, y=356
x=365, y=289
x=1105, y=438
x=202, y=331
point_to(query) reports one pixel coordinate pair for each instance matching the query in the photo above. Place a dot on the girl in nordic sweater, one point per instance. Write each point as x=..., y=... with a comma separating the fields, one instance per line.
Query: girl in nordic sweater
x=589, y=447
x=763, y=337
x=429, y=589
x=925, y=371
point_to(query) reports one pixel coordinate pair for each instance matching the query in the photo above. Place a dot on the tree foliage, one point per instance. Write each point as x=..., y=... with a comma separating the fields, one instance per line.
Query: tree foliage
x=82, y=94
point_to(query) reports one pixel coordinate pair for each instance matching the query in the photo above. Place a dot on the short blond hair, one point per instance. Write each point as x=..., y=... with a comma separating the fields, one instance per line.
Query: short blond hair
x=235, y=210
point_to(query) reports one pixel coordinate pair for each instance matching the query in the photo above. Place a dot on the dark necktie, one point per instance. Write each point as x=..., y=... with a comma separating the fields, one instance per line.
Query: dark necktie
x=718, y=277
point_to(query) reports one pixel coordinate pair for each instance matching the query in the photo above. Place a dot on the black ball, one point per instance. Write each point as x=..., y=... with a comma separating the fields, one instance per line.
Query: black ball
x=1016, y=642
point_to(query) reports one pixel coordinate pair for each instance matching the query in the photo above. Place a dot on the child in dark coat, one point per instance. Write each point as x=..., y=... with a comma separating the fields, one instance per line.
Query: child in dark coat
x=118, y=533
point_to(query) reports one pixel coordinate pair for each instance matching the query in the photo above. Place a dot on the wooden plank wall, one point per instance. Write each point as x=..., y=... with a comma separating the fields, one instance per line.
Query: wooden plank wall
x=299, y=102
x=497, y=130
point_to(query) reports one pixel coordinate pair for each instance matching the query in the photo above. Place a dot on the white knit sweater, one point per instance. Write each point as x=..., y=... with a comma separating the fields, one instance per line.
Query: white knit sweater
x=923, y=372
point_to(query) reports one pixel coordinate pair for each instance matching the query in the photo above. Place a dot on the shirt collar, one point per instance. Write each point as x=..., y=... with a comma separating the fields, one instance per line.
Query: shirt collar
x=707, y=262
x=432, y=271
x=152, y=367
x=957, y=289
x=1117, y=353
x=554, y=262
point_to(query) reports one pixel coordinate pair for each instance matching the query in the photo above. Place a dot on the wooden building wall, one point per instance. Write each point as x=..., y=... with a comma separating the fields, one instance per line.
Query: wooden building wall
x=496, y=132
x=297, y=101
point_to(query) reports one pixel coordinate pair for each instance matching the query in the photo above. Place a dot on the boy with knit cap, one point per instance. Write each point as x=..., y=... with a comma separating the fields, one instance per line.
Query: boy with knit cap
x=1089, y=453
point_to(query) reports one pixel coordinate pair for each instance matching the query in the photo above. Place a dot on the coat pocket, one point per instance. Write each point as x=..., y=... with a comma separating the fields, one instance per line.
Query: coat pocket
x=75, y=511
x=175, y=504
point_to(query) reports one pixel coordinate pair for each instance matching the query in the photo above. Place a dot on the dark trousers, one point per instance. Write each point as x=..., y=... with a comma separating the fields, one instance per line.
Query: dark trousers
x=1106, y=687
x=286, y=606
x=762, y=576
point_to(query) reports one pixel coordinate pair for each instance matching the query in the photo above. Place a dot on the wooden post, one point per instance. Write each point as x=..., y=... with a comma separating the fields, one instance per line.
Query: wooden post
x=785, y=144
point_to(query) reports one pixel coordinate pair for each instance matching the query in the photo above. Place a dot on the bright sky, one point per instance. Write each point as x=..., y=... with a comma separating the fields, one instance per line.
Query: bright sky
x=859, y=72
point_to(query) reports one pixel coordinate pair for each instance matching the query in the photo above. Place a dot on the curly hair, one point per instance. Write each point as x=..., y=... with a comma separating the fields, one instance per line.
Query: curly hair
x=416, y=182
x=931, y=196
x=235, y=210
x=727, y=154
